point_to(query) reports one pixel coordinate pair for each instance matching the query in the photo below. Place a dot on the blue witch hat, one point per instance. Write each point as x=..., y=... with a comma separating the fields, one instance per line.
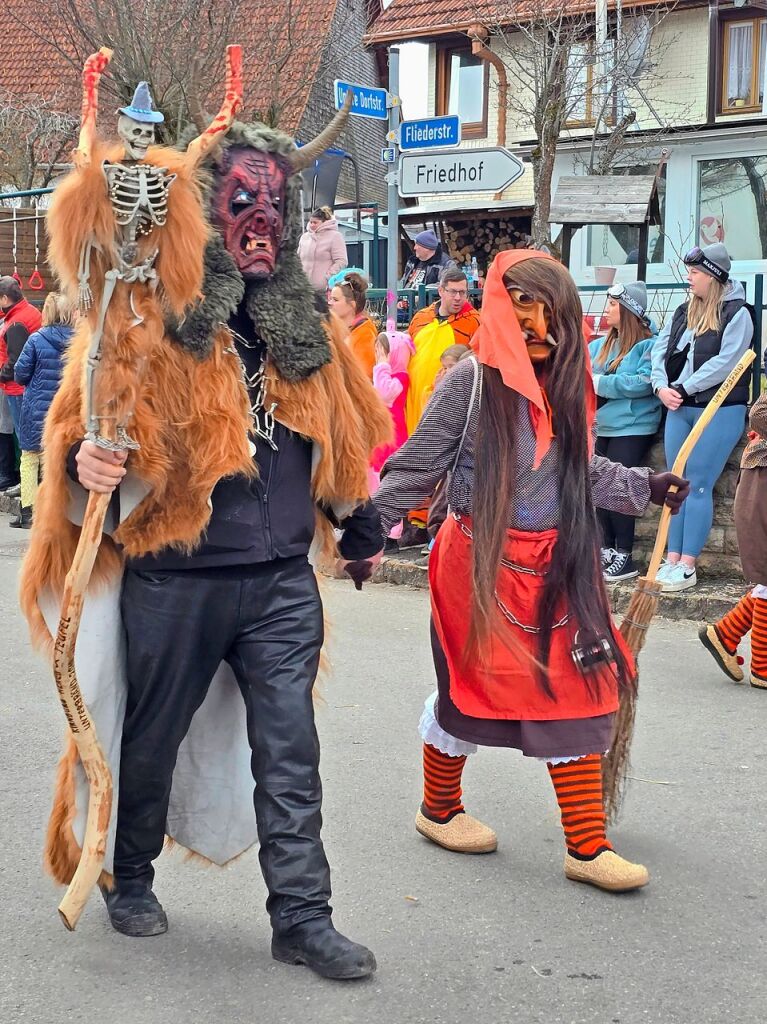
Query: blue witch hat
x=142, y=106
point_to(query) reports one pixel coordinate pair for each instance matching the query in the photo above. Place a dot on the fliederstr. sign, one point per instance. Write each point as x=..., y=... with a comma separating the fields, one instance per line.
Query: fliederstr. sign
x=430, y=132
x=367, y=101
x=490, y=169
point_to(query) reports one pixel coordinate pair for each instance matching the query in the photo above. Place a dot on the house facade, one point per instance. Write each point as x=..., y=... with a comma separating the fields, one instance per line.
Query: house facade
x=690, y=83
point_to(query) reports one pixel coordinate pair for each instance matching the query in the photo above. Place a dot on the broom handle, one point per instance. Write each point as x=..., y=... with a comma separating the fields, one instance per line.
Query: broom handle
x=686, y=450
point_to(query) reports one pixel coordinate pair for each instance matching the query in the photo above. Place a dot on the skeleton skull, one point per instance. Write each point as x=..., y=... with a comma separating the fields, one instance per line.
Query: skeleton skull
x=136, y=136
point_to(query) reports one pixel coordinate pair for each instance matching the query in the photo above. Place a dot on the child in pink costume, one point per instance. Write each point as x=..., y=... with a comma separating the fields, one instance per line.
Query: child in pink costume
x=390, y=379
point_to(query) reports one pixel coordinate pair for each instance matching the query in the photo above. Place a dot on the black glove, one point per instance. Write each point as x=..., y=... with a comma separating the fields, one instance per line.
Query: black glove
x=660, y=494
x=360, y=571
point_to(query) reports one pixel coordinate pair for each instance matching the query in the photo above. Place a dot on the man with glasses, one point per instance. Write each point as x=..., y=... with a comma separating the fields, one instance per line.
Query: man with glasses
x=451, y=320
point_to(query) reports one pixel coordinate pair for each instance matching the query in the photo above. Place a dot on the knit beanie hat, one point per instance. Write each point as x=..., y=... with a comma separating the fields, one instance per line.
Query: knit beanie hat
x=632, y=297
x=713, y=260
x=428, y=240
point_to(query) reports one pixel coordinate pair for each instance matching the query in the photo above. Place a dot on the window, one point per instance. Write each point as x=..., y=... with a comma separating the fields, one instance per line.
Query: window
x=580, y=84
x=744, y=48
x=732, y=206
x=462, y=81
x=588, y=78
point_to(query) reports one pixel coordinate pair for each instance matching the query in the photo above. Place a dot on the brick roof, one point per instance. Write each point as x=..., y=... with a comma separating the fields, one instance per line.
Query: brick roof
x=31, y=63
x=422, y=19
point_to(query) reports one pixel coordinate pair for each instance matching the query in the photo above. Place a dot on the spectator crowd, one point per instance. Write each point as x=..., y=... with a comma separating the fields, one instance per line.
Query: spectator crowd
x=645, y=380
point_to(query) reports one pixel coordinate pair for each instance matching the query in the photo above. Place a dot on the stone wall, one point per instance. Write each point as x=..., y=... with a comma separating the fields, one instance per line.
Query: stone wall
x=720, y=555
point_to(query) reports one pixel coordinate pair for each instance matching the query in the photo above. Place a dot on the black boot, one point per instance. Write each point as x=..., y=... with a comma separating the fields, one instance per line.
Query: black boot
x=23, y=521
x=320, y=947
x=134, y=909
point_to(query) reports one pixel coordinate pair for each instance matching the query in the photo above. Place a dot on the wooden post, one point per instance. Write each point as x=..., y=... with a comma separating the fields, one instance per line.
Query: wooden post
x=567, y=236
x=644, y=241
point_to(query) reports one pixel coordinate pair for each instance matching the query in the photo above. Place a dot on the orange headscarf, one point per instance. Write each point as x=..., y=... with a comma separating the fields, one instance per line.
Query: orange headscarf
x=499, y=342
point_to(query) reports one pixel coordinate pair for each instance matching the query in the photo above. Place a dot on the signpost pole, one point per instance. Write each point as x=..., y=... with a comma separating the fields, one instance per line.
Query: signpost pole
x=392, y=259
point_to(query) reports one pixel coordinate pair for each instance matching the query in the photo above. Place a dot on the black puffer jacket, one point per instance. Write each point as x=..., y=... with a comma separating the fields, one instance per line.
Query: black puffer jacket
x=427, y=272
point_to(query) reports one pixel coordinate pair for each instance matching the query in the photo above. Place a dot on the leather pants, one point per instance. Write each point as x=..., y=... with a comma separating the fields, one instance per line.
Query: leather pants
x=268, y=625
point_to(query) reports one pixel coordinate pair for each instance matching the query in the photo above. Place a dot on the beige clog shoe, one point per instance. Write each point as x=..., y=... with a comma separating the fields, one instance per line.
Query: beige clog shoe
x=727, y=662
x=758, y=682
x=462, y=834
x=607, y=871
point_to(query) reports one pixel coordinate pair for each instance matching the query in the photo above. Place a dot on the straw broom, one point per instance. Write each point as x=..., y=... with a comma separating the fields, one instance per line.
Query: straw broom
x=644, y=602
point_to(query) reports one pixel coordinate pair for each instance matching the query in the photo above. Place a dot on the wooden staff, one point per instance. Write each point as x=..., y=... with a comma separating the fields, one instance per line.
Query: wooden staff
x=89, y=749
x=644, y=602
x=80, y=722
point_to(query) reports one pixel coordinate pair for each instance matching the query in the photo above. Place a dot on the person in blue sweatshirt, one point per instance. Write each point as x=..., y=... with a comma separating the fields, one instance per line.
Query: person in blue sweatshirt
x=696, y=350
x=39, y=369
x=628, y=414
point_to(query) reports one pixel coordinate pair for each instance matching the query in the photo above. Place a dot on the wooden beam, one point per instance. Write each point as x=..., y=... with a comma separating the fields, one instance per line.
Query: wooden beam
x=567, y=236
x=594, y=212
x=644, y=236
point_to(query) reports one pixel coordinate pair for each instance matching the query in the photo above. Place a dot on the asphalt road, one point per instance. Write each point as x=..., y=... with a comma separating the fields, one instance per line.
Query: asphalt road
x=498, y=939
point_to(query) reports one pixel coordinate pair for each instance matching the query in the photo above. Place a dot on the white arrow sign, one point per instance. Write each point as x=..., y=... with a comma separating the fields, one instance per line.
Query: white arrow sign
x=458, y=170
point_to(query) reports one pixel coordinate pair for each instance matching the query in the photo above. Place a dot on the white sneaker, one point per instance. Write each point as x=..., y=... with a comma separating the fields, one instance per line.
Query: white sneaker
x=608, y=555
x=679, y=577
x=663, y=572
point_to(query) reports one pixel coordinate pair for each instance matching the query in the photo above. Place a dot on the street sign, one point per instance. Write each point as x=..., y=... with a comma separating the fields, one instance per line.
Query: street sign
x=430, y=132
x=389, y=155
x=367, y=101
x=491, y=169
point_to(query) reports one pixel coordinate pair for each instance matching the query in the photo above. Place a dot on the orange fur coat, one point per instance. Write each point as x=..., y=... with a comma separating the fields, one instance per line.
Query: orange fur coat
x=190, y=416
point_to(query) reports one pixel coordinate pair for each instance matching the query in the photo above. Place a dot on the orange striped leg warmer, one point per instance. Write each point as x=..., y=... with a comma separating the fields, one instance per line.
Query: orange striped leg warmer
x=736, y=623
x=759, y=639
x=441, y=784
x=578, y=785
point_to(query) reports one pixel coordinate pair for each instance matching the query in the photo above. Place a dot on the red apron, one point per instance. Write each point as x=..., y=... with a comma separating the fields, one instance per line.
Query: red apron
x=506, y=685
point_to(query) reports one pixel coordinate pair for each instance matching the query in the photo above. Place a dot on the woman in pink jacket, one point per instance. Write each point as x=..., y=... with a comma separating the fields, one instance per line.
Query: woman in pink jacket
x=322, y=249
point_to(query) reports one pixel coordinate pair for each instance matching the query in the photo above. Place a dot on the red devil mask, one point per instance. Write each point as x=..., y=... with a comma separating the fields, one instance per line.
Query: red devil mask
x=249, y=208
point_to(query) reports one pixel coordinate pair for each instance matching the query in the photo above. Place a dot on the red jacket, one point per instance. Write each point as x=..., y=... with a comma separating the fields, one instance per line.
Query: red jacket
x=27, y=316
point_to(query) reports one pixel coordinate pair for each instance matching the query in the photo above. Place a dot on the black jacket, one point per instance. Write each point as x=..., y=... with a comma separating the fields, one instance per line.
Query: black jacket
x=428, y=270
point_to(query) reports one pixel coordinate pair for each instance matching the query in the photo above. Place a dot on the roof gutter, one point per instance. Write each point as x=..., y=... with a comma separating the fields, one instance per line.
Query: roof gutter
x=413, y=35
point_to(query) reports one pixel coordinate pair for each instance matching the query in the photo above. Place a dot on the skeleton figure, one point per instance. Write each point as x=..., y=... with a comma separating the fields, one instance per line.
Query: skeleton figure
x=138, y=194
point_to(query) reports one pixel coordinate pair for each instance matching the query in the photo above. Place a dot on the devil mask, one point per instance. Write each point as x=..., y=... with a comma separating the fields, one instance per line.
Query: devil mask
x=248, y=208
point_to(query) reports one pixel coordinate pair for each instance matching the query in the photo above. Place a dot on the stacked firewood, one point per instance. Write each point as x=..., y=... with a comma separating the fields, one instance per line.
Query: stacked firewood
x=483, y=239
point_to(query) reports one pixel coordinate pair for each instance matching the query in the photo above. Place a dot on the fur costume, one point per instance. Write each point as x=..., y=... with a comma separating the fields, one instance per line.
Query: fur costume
x=191, y=417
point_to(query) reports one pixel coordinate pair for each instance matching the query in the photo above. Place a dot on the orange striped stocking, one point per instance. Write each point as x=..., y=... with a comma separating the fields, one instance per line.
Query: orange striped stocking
x=736, y=623
x=578, y=785
x=759, y=639
x=441, y=784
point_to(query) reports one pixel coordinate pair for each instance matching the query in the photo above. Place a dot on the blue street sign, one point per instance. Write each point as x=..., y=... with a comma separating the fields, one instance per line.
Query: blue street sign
x=389, y=155
x=367, y=101
x=430, y=132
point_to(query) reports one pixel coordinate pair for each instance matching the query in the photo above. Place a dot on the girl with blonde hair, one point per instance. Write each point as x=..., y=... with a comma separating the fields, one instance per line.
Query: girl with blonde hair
x=694, y=353
x=39, y=369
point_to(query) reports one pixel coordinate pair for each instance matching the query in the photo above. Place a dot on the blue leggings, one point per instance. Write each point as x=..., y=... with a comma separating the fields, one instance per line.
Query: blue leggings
x=691, y=526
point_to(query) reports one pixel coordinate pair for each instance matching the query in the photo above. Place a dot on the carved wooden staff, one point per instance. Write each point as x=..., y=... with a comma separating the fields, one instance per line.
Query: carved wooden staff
x=80, y=723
